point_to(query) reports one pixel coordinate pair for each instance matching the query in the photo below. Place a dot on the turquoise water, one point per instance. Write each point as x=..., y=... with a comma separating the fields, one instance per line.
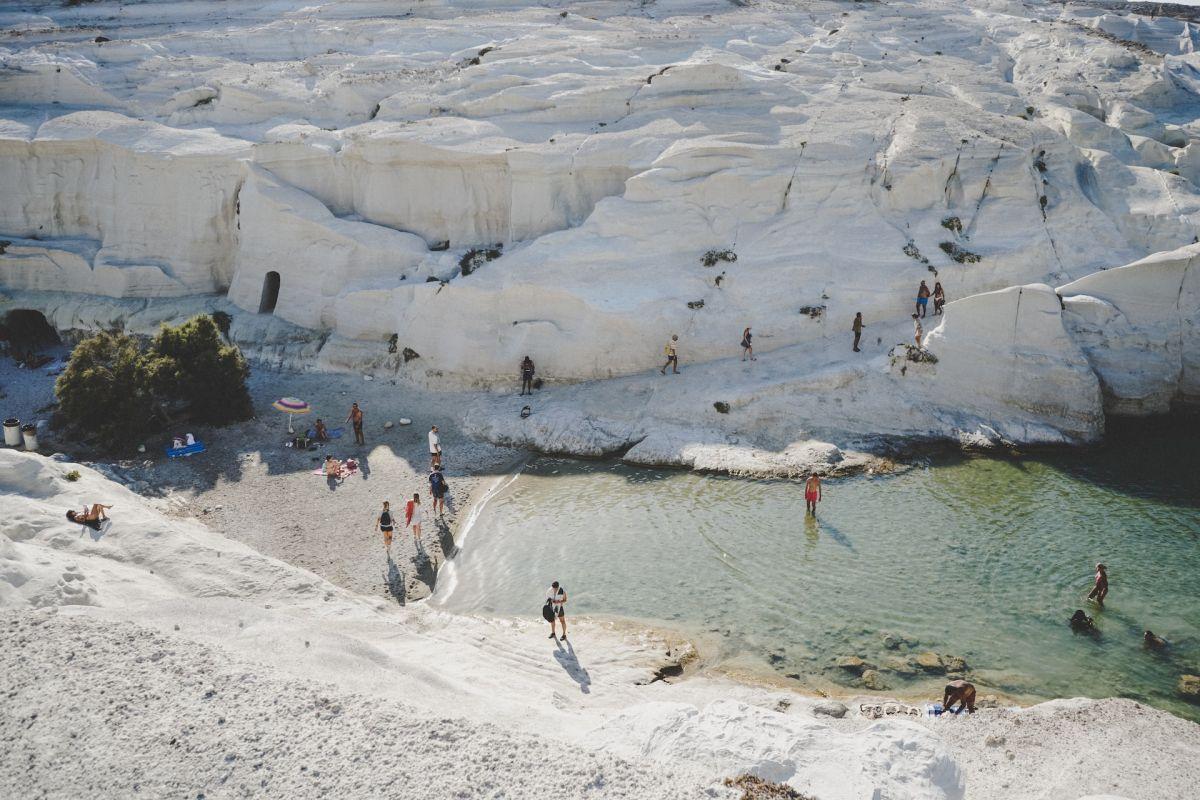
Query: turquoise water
x=980, y=557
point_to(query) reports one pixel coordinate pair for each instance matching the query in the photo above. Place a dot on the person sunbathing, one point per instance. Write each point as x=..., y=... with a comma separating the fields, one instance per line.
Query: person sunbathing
x=333, y=466
x=321, y=431
x=90, y=515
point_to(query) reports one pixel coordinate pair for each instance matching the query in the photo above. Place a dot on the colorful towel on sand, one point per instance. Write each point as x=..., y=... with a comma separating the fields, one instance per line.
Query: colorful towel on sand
x=348, y=469
x=187, y=450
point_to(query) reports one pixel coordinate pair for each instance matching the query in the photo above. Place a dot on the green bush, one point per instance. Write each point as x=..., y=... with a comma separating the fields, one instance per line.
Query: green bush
x=104, y=389
x=191, y=365
x=72, y=476
x=117, y=392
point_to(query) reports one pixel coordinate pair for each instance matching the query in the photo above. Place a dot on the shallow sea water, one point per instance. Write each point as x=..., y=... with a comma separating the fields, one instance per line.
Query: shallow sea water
x=981, y=557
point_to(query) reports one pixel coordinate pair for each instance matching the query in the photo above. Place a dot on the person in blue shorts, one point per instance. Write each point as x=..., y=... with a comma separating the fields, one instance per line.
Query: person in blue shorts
x=923, y=299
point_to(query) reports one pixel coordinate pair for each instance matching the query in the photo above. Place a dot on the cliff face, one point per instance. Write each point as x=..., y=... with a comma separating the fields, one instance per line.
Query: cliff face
x=577, y=184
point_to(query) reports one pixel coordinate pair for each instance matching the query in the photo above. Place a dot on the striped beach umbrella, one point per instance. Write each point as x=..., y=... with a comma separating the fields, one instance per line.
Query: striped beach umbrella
x=290, y=406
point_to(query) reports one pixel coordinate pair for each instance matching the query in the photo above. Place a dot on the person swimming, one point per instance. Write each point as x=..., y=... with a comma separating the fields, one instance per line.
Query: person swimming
x=1152, y=642
x=1081, y=622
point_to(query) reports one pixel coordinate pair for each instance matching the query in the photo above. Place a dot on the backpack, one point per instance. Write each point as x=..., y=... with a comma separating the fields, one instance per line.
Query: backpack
x=666, y=349
x=436, y=481
x=385, y=519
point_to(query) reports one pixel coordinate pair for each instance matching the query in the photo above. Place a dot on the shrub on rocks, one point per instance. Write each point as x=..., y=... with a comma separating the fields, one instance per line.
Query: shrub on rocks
x=476, y=258
x=713, y=257
x=105, y=389
x=721, y=406
x=191, y=365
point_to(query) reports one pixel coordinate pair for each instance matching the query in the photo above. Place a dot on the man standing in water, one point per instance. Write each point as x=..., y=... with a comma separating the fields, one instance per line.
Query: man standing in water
x=857, y=328
x=355, y=417
x=960, y=692
x=1100, y=589
x=812, y=494
x=384, y=523
x=672, y=356
x=557, y=597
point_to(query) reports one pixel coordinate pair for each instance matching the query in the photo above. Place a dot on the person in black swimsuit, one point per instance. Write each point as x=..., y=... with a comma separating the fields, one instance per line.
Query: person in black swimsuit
x=385, y=523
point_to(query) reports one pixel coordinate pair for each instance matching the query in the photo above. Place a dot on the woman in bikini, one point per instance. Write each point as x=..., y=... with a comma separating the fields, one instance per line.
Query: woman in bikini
x=90, y=515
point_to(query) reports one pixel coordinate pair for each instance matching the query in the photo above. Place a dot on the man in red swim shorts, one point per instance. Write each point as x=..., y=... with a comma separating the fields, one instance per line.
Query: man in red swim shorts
x=812, y=493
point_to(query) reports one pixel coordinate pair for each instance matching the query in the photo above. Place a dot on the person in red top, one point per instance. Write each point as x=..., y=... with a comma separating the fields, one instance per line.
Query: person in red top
x=812, y=493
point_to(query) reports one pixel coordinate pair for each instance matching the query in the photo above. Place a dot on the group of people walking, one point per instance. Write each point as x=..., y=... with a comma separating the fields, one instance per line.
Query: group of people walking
x=414, y=510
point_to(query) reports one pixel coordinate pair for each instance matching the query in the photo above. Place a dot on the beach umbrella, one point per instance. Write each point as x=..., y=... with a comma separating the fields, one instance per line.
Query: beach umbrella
x=290, y=406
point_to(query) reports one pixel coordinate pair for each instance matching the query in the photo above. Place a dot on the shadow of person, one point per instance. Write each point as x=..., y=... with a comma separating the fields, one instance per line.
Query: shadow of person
x=567, y=659
x=364, y=467
x=812, y=531
x=332, y=481
x=394, y=580
x=426, y=566
x=445, y=539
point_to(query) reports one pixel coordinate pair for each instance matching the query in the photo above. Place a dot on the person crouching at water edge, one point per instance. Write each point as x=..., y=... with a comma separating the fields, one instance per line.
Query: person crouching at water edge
x=556, y=601
x=959, y=692
x=812, y=494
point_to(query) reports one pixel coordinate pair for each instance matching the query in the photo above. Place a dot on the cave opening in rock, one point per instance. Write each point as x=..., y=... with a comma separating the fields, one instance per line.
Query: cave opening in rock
x=270, y=293
x=27, y=329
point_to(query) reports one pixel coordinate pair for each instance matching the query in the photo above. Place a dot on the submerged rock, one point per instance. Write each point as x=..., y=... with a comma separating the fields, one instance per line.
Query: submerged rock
x=930, y=662
x=1189, y=688
x=873, y=680
x=852, y=664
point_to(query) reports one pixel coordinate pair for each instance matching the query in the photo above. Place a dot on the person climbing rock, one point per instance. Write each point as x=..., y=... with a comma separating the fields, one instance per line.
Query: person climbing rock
x=748, y=345
x=527, y=370
x=556, y=596
x=435, y=448
x=1100, y=587
x=857, y=328
x=960, y=692
x=672, y=356
x=922, y=299
x=437, y=488
x=385, y=523
x=355, y=418
x=918, y=333
x=812, y=494
x=939, y=297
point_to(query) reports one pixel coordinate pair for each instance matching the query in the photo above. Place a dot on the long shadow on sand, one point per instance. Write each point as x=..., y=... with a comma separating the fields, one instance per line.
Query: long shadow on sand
x=394, y=580
x=567, y=659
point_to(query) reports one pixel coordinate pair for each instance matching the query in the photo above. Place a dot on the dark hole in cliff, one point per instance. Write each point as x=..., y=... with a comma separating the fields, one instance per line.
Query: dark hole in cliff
x=270, y=293
x=27, y=329
x=408, y=354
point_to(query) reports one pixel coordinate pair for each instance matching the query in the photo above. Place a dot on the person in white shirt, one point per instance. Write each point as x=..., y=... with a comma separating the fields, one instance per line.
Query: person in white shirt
x=435, y=448
x=413, y=516
x=557, y=597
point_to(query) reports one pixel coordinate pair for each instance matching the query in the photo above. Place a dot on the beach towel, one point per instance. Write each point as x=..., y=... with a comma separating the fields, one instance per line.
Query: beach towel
x=348, y=469
x=186, y=450
x=335, y=433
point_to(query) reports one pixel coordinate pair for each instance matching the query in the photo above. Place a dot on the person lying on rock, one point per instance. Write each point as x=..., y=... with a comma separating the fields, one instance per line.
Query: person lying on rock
x=1081, y=622
x=960, y=692
x=90, y=515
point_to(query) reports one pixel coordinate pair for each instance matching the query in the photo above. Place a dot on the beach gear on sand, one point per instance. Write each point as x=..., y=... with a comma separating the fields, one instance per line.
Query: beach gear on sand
x=186, y=450
x=333, y=433
x=290, y=406
x=349, y=467
x=525, y=412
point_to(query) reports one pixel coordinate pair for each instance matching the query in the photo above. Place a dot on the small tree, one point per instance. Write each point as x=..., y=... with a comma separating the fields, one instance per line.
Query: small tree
x=191, y=364
x=105, y=390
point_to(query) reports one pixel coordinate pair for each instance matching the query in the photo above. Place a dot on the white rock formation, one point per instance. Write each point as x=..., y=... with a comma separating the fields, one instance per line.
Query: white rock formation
x=340, y=164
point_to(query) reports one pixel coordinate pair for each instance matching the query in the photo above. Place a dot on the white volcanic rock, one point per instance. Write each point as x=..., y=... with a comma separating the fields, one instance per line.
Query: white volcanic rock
x=1140, y=328
x=1006, y=356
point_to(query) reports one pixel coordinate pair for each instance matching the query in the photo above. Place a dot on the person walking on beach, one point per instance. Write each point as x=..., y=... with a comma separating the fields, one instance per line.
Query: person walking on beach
x=960, y=692
x=672, y=356
x=918, y=333
x=812, y=494
x=385, y=523
x=922, y=299
x=435, y=448
x=747, y=345
x=1100, y=588
x=437, y=488
x=556, y=596
x=355, y=417
x=939, y=297
x=527, y=376
x=413, y=516
x=857, y=328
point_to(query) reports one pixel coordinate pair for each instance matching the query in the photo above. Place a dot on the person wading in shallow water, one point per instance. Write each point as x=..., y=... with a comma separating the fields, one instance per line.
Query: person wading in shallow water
x=812, y=494
x=959, y=692
x=556, y=596
x=672, y=356
x=857, y=328
x=1100, y=589
x=355, y=417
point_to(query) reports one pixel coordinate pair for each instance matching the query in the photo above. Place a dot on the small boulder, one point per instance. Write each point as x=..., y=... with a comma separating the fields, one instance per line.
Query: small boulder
x=899, y=665
x=954, y=663
x=829, y=708
x=873, y=680
x=930, y=662
x=387, y=426
x=852, y=664
x=1189, y=688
